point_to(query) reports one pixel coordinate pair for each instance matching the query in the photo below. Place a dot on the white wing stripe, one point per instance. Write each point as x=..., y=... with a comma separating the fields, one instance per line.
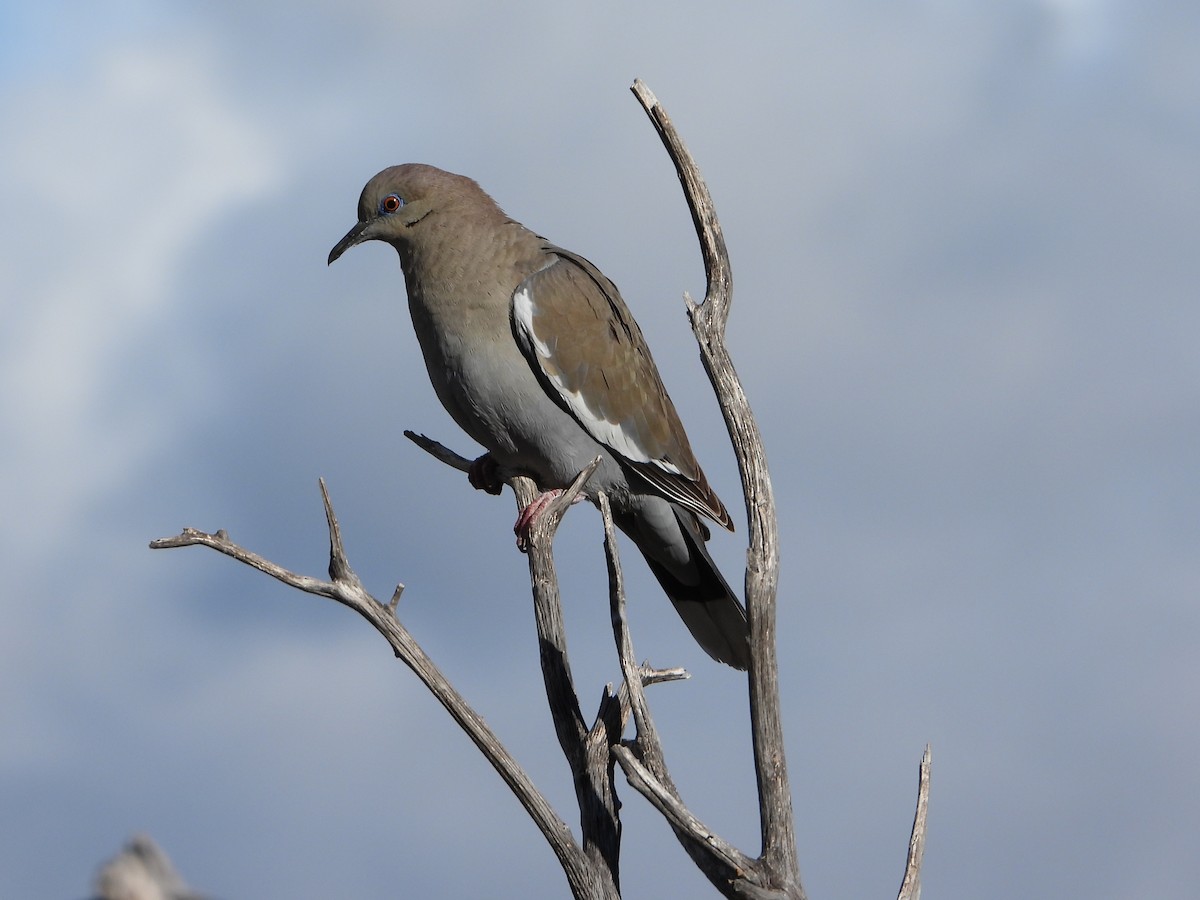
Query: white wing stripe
x=608, y=433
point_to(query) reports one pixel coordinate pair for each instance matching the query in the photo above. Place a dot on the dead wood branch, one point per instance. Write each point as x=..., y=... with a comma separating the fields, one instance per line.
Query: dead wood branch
x=346, y=588
x=779, y=866
x=910, y=887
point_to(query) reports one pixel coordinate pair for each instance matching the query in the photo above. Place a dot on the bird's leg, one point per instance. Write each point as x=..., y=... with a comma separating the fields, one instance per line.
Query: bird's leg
x=484, y=474
x=530, y=513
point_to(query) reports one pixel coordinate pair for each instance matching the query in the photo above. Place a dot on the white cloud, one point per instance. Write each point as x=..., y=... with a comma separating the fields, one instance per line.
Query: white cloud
x=116, y=179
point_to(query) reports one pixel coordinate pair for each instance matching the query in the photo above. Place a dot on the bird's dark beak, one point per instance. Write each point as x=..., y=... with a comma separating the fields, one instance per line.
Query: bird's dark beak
x=353, y=236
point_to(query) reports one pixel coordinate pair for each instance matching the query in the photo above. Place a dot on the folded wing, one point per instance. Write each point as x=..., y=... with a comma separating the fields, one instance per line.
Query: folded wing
x=589, y=354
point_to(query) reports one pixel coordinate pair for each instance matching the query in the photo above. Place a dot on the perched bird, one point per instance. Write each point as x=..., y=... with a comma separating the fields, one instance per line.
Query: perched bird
x=534, y=354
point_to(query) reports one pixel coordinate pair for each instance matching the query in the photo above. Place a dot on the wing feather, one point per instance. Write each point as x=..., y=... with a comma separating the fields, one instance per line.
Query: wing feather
x=589, y=353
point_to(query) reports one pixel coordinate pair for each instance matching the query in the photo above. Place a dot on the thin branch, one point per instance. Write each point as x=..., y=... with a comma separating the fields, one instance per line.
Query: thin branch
x=591, y=769
x=762, y=570
x=442, y=452
x=719, y=292
x=615, y=710
x=347, y=589
x=439, y=451
x=649, y=745
x=910, y=887
x=643, y=760
x=733, y=863
x=620, y=698
x=589, y=761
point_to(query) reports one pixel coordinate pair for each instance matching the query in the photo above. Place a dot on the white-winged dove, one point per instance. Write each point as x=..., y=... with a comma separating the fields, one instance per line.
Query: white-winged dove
x=534, y=354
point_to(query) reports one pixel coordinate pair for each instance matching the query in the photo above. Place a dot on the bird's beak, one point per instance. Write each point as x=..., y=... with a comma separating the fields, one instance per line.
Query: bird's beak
x=353, y=236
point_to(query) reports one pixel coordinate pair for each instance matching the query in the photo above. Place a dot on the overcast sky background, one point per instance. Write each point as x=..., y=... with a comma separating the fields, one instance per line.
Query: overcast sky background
x=966, y=245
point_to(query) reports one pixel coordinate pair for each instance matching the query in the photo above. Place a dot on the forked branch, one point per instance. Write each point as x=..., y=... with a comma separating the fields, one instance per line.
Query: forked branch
x=776, y=872
x=780, y=867
x=346, y=588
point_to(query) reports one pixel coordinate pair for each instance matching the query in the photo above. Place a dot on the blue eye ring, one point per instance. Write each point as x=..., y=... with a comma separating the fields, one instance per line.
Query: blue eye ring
x=390, y=204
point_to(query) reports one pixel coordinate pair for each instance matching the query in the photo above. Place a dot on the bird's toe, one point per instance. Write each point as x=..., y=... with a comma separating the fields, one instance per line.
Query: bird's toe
x=530, y=514
x=484, y=474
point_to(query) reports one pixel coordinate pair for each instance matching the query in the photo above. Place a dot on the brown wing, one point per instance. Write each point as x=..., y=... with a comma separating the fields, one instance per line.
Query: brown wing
x=578, y=334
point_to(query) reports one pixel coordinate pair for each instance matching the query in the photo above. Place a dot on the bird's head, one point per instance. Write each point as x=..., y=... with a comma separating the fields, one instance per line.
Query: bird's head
x=396, y=204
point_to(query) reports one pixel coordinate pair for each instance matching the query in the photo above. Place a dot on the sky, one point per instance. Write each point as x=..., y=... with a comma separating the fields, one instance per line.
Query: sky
x=964, y=244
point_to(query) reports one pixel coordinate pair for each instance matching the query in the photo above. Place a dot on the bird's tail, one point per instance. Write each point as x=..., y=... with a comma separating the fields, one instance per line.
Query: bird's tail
x=708, y=607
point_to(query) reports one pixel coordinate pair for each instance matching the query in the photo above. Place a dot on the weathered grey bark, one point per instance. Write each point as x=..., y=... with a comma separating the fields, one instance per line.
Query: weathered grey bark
x=910, y=886
x=587, y=750
x=592, y=867
x=585, y=879
x=776, y=872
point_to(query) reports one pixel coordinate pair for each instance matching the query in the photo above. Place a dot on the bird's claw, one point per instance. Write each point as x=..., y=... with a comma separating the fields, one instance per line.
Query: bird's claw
x=529, y=515
x=484, y=475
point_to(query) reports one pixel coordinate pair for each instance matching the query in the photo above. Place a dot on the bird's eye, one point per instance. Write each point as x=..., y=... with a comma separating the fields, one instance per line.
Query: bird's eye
x=391, y=203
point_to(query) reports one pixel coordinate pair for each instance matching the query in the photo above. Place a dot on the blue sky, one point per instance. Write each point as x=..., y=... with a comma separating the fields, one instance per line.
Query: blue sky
x=964, y=246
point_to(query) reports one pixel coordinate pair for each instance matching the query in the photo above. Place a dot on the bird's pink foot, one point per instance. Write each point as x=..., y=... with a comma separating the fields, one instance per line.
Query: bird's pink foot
x=484, y=475
x=530, y=514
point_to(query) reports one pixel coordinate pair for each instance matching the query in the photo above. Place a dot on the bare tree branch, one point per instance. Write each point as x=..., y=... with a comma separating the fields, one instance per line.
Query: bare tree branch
x=591, y=771
x=910, y=887
x=649, y=746
x=762, y=569
x=643, y=760
x=586, y=749
x=346, y=588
